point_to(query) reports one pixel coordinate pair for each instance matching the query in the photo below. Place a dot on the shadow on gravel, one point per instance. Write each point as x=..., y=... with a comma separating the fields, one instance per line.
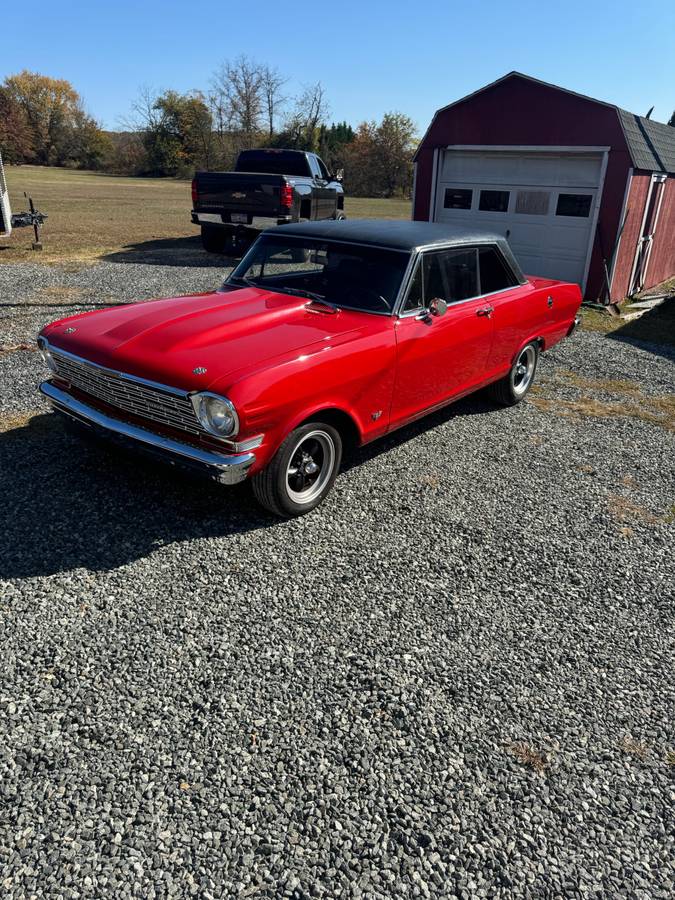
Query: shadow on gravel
x=69, y=503
x=654, y=331
x=184, y=252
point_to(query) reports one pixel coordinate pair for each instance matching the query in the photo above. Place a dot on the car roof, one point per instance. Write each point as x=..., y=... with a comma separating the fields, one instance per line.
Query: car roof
x=400, y=234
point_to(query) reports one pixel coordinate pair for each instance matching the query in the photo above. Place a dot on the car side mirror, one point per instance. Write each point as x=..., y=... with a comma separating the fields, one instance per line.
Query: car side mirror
x=339, y=175
x=437, y=307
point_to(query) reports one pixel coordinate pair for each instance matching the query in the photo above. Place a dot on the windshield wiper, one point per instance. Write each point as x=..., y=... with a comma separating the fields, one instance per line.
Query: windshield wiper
x=301, y=292
x=242, y=278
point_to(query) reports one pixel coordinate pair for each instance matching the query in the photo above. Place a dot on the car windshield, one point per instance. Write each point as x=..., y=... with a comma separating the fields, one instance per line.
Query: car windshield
x=349, y=276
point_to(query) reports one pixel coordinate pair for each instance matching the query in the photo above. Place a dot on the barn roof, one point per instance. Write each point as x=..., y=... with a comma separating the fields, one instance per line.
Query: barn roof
x=651, y=144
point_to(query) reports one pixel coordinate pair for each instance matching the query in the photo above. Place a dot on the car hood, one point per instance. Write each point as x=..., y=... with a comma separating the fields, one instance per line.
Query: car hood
x=222, y=332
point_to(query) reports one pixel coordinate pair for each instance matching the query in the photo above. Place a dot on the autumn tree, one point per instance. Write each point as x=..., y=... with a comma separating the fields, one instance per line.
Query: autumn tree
x=379, y=160
x=16, y=135
x=62, y=133
x=176, y=131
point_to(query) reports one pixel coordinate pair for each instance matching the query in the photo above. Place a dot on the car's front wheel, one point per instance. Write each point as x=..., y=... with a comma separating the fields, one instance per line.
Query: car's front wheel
x=514, y=387
x=301, y=472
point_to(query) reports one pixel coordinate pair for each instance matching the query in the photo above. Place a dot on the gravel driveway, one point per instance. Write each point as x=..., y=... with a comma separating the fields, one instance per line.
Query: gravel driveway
x=454, y=679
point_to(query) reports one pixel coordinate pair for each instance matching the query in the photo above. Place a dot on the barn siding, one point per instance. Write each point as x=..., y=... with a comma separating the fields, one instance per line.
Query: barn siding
x=635, y=210
x=662, y=259
x=518, y=111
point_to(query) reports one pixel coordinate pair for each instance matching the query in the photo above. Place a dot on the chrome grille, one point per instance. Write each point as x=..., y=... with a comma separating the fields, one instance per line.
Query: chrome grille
x=124, y=393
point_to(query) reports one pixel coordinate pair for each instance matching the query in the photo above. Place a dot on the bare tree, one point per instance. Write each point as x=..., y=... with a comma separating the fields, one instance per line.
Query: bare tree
x=272, y=83
x=237, y=96
x=311, y=110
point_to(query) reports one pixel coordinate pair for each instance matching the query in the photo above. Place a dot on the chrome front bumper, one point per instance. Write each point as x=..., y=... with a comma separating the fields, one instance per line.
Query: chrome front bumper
x=226, y=469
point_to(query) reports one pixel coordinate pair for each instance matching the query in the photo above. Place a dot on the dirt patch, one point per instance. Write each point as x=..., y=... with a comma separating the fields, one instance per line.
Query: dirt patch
x=625, y=510
x=658, y=410
x=528, y=756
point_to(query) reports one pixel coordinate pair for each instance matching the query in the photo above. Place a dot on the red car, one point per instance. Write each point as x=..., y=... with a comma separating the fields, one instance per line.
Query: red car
x=326, y=335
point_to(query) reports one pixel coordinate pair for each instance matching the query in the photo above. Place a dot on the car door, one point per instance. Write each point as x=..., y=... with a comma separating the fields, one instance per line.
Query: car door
x=329, y=197
x=320, y=189
x=439, y=357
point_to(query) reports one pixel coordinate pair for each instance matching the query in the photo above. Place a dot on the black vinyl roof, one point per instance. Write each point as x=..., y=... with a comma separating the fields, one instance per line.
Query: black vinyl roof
x=398, y=234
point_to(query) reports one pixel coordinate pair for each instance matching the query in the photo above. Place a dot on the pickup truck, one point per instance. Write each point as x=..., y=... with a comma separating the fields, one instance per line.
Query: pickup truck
x=267, y=187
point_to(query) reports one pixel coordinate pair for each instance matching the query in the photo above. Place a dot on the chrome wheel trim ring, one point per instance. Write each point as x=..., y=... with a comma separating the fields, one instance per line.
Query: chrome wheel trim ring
x=523, y=370
x=323, y=455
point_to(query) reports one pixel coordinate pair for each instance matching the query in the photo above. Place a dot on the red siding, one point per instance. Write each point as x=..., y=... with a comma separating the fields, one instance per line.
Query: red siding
x=635, y=210
x=519, y=111
x=662, y=259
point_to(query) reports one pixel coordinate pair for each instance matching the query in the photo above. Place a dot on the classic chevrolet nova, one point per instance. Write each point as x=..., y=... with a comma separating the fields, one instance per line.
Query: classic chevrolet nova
x=326, y=336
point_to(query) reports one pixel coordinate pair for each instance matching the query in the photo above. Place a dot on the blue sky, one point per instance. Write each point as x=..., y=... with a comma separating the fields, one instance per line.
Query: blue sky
x=371, y=57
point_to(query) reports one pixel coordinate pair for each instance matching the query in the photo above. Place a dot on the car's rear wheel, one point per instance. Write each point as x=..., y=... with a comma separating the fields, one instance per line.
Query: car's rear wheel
x=302, y=471
x=213, y=239
x=515, y=386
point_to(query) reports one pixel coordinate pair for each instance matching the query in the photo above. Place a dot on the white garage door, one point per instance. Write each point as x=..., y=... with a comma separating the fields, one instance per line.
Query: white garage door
x=544, y=203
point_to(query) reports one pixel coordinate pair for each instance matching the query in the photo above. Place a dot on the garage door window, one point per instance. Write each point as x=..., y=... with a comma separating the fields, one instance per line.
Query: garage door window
x=456, y=198
x=494, y=201
x=495, y=275
x=577, y=205
x=532, y=203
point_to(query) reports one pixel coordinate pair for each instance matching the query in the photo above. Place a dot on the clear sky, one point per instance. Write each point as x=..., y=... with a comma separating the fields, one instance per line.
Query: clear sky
x=371, y=56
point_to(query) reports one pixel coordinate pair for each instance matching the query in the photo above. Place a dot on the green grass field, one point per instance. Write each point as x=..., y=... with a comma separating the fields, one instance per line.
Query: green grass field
x=92, y=216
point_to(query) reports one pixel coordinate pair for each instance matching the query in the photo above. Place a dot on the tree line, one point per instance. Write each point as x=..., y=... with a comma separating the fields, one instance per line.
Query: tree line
x=168, y=133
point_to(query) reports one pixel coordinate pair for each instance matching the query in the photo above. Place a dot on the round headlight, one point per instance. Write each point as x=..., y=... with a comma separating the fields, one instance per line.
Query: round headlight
x=216, y=414
x=47, y=358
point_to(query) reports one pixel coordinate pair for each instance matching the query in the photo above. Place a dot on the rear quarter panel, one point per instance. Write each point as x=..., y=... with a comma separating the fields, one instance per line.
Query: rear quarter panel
x=541, y=309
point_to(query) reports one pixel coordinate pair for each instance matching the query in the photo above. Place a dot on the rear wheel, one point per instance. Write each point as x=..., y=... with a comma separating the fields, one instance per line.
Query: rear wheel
x=302, y=471
x=514, y=387
x=213, y=239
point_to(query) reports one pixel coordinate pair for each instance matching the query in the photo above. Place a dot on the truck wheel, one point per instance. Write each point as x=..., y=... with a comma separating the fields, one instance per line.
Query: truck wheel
x=302, y=471
x=512, y=389
x=340, y=216
x=213, y=239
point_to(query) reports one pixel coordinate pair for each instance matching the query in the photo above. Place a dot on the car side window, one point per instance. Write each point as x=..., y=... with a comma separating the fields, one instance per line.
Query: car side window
x=451, y=275
x=314, y=166
x=495, y=275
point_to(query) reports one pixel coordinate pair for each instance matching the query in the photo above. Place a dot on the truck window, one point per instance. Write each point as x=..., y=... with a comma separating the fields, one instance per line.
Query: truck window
x=322, y=169
x=273, y=162
x=314, y=165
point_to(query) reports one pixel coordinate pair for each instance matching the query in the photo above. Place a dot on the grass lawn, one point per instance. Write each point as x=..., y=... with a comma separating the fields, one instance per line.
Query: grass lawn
x=93, y=215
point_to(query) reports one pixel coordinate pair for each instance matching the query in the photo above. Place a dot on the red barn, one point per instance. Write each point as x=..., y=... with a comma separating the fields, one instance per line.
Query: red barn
x=584, y=190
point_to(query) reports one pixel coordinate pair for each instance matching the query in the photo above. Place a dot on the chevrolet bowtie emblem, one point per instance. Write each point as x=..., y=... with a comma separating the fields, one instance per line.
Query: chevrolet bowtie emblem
x=200, y=370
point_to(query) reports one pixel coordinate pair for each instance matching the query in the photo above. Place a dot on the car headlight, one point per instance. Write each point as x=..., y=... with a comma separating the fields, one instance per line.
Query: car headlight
x=216, y=414
x=47, y=358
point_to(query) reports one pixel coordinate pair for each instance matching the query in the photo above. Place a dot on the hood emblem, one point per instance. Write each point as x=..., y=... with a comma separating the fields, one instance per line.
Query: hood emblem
x=199, y=370
x=69, y=330
x=238, y=195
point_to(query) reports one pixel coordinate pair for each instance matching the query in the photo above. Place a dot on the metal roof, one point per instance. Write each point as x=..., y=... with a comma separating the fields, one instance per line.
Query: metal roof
x=651, y=144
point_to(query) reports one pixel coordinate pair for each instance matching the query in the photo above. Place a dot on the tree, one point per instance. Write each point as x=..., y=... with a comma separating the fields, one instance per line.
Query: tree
x=333, y=142
x=379, y=160
x=176, y=130
x=272, y=84
x=237, y=96
x=309, y=112
x=16, y=135
x=50, y=110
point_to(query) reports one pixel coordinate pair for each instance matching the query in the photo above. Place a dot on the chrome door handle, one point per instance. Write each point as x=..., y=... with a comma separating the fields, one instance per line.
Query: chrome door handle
x=485, y=311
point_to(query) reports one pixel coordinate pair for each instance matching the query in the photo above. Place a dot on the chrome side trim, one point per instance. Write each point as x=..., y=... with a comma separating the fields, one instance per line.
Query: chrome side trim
x=222, y=468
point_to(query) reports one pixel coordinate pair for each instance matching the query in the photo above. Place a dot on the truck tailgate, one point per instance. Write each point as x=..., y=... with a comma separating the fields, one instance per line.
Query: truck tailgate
x=233, y=192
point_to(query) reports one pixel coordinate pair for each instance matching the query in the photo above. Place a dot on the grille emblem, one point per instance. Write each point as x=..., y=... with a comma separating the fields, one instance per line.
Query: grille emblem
x=200, y=370
x=69, y=330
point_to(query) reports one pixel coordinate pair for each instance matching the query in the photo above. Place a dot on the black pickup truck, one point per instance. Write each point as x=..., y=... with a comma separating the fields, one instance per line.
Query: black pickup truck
x=267, y=187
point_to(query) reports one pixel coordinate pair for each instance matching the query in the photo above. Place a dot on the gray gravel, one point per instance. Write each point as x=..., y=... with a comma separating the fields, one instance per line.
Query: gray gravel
x=454, y=679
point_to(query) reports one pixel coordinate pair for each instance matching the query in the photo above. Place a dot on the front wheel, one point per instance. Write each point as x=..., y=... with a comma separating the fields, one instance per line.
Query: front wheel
x=514, y=387
x=301, y=472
